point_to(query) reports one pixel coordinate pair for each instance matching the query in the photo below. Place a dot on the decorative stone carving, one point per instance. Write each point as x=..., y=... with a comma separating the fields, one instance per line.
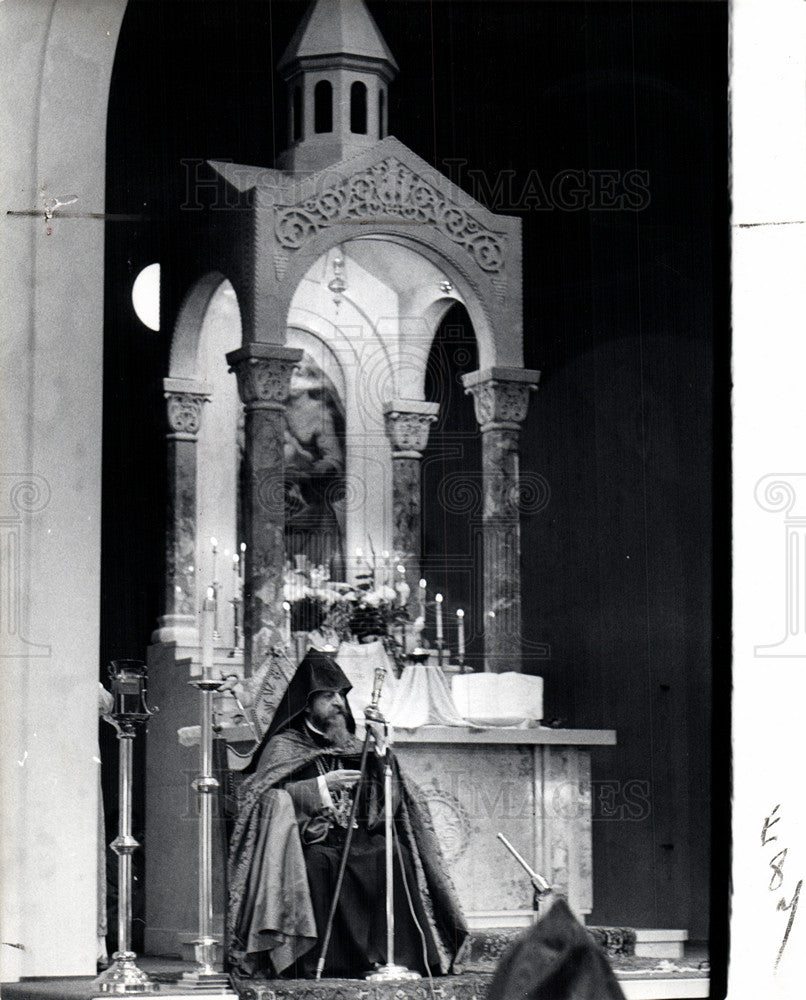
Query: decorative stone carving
x=264, y=374
x=390, y=189
x=184, y=412
x=408, y=432
x=263, y=382
x=451, y=822
x=406, y=508
x=501, y=400
x=500, y=403
x=184, y=401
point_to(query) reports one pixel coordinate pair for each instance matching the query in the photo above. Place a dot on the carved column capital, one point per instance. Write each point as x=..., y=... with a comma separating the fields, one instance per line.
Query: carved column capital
x=501, y=396
x=264, y=374
x=185, y=398
x=407, y=425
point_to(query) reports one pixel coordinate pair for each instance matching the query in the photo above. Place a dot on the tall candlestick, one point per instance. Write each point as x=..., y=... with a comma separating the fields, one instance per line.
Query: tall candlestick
x=207, y=629
x=421, y=599
x=438, y=600
x=214, y=543
x=460, y=634
x=242, y=561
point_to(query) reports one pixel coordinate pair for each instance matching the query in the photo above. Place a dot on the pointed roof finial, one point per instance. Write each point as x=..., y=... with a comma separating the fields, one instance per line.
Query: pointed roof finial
x=333, y=28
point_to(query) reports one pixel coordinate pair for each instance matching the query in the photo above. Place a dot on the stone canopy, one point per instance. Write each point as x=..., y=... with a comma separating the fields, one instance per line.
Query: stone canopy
x=387, y=192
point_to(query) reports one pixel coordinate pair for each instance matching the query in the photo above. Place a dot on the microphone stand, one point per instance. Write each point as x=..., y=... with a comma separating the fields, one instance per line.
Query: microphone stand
x=541, y=890
x=390, y=971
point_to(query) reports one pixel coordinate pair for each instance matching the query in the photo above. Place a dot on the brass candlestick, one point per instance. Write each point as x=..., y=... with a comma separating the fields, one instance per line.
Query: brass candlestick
x=130, y=710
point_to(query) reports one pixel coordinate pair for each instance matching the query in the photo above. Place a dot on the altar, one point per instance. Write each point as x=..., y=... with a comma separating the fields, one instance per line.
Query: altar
x=531, y=784
x=322, y=373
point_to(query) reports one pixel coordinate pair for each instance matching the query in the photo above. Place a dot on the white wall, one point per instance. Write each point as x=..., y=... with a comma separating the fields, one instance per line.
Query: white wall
x=56, y=64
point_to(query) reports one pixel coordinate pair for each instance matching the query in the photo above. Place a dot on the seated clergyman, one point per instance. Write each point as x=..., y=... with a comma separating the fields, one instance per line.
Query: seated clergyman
x=289, y=839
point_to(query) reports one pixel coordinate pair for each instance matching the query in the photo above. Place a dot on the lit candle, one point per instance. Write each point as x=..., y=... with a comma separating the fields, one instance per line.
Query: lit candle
x=421, y=599
x=287, y=622
x=207, y=628
x=402, y=587
x=235, y=564
x=242, y=562
x=460, y=633
x=438, y=599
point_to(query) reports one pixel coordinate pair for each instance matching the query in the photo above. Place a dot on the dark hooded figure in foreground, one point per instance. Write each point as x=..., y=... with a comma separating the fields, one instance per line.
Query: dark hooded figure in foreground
x=288, y=840
x=555, y=960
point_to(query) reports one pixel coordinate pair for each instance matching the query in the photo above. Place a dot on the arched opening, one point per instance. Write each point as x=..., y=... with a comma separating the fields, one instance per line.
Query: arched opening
x=358, y=108
x=219, y=455
x=314, y=451
x=452, y=494
x=381, y=113
x=323, y=107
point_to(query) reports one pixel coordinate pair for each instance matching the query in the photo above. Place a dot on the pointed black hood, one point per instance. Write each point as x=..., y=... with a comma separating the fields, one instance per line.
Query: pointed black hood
x=317, y=672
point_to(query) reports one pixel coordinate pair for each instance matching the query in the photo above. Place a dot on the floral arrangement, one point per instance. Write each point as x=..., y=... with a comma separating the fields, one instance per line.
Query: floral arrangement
x=369, y=608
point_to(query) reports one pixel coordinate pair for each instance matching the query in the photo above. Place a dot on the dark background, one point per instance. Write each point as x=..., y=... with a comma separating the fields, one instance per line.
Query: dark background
x=626, y=571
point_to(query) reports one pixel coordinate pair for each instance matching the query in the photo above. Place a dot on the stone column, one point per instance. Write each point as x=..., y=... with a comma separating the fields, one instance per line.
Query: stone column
x=501, y=399
x=407, y=424
x=185, y=399
x=264, y=373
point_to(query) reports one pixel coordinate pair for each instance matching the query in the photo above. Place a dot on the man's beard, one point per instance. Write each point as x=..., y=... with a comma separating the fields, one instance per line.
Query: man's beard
x=335, y=730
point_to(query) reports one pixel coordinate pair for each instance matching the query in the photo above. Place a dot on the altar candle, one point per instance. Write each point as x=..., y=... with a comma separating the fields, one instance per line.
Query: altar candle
x=402, y=587
x=438, y=599
x=421, y=601
x=287, y=622
x=242, y=561
x=460, y=633
x=207, y=627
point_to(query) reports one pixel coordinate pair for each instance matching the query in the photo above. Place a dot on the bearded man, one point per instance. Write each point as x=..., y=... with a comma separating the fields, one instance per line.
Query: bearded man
x=290, y=835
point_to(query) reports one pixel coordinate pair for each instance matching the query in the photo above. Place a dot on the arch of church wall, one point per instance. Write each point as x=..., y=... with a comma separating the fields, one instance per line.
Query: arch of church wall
x=184, y=357
x=218, y=448
x=52, y=319
x=499, y=339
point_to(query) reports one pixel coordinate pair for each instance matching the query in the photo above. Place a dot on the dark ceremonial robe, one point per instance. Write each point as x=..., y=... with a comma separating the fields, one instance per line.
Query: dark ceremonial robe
x=285, y=852
x=554, y=960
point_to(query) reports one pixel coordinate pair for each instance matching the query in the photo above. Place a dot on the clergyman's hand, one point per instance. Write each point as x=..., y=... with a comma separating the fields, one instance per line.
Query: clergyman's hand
x=341, y=779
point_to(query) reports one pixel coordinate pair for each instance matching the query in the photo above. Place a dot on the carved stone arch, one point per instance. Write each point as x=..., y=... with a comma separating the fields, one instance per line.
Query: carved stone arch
x=476, y=290
x=184, y=356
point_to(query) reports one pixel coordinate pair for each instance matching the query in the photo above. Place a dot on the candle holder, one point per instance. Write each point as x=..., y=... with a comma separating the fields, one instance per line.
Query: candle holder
x=236, y=629
x=206, y=977
x=130, y=710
